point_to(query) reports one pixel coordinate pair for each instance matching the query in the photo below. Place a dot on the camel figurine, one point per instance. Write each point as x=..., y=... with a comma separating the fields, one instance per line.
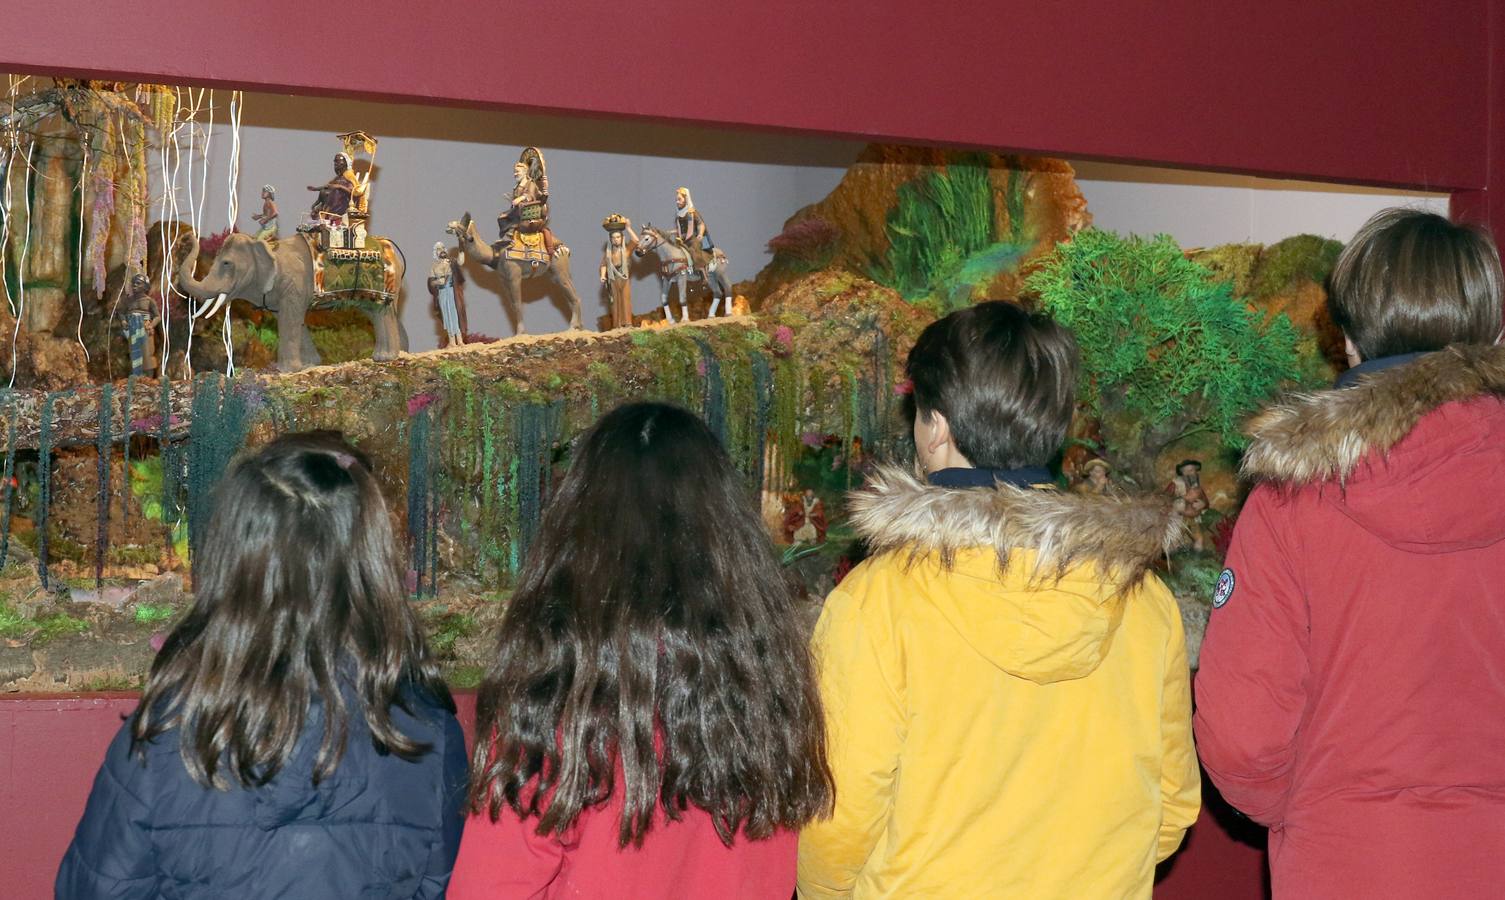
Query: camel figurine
x=500, y=257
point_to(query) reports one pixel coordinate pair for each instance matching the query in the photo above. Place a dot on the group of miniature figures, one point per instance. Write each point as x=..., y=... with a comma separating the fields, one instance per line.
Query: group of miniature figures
x=687, y=256
x=1189, y=498
x=350, y=265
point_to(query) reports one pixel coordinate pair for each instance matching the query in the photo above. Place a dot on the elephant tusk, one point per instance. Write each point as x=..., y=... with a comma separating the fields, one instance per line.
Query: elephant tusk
x=209, y=309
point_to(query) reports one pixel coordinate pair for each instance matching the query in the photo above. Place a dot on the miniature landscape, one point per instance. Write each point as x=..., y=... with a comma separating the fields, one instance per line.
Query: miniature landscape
x=108, y=476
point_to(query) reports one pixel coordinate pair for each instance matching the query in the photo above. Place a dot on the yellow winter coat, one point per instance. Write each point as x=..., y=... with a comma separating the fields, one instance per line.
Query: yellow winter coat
x=995, y=734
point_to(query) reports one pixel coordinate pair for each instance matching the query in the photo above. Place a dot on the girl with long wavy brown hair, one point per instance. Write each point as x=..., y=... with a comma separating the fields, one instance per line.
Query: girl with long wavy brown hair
x=294, y=739
x=650, y=725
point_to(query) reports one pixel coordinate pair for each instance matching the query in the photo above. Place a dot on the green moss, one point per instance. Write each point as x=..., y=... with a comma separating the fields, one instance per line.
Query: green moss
x=447, y=628
x=464, y=678
x=1305, y=257
x=42, y=630
x=153, y=613
x=1234, y=263
x=349, y=338
x=12, y=623
x=110, y=683
x=131, y=555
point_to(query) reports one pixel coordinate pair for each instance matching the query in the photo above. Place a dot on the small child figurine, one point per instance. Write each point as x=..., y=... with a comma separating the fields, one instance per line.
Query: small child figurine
x=616, y=265
x=267, y=218
x=445, y=279
x=141, y=319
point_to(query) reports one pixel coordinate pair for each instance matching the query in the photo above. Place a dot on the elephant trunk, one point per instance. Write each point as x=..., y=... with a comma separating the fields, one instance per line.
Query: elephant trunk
x=187, y=283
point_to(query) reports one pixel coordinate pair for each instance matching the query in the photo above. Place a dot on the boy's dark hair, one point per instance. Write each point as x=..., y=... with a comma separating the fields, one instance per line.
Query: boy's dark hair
x=1412, y=281
x=297, y=594
x=1004, y=378
x=653, y=639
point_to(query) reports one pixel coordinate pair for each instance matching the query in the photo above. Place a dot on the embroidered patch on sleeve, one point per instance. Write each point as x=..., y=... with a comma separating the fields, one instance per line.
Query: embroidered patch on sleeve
x=1224, y=589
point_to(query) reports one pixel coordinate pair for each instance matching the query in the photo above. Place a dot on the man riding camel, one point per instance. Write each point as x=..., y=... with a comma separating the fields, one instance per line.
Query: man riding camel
x=528, y=212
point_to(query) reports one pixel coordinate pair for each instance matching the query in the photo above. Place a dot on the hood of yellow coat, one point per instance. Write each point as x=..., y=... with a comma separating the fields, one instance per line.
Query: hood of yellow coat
x=1034, y=580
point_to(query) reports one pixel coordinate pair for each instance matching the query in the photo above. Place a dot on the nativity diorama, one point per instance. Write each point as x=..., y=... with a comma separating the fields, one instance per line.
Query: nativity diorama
x=151, y=340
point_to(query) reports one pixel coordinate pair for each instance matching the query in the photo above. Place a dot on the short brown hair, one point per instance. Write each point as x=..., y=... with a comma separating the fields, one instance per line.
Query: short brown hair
x=1411, y=281
x=1004, y=378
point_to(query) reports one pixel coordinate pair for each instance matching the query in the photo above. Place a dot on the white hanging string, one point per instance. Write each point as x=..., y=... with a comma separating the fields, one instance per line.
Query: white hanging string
x=198, y=216
x=120, y=290
x=190, y=122
x=10, y=158
x=13, y=140
x=171, y=151
x=237, y=99
x=78, y=290
x=21, y=270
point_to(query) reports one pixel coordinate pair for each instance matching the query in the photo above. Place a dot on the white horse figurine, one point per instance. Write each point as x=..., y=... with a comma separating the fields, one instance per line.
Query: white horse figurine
x=677, y=264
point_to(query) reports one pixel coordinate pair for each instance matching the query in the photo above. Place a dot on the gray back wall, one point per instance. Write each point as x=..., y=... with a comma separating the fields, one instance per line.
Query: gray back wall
x=435, y=163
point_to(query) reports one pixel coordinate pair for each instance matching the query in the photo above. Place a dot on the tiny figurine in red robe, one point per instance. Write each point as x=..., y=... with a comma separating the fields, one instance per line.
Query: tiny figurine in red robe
x=804, y=518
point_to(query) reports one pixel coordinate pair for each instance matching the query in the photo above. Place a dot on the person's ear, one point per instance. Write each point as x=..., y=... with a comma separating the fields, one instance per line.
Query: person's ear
x=939, y=436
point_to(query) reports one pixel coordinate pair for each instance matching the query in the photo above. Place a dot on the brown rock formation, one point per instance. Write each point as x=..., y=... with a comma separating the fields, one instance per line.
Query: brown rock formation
x=859, y=207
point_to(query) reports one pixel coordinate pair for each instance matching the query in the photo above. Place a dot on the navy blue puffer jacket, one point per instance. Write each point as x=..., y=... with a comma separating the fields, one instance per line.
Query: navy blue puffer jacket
x=379, y=827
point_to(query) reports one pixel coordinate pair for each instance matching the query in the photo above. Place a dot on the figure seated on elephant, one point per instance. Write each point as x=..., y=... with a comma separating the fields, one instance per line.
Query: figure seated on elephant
x=342, y=207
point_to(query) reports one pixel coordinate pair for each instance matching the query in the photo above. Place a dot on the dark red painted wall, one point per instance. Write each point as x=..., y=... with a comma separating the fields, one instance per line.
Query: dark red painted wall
x=51, y=747
x=1486, y=205
x=1391, y=92
x=1403, y=93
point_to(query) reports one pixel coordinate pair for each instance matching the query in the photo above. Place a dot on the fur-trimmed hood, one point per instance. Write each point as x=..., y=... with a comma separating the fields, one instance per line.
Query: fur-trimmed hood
x=1393, y=439
x=1325, y=435
x=1049, y=620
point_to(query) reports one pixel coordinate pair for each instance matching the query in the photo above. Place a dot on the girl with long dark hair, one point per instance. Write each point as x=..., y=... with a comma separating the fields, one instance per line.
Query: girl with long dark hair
x=650, y=726
x=294, y=738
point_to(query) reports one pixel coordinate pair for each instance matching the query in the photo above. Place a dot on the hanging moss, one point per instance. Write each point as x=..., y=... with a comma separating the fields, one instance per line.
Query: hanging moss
x=104, y=450
x=420, y=457
x=713, y=404
x=170, y=462
x=763, y=397
x=8, y=476
x=538, y=429
x=44, y=472
x=788, y=392
x=216, y=434
x=125, y=420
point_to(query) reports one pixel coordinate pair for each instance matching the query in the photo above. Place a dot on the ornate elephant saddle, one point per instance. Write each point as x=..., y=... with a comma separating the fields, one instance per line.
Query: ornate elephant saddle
x=367, y=274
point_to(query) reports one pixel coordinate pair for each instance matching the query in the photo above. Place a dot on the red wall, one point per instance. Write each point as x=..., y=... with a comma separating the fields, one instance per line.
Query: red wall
x=1397, y=93
x=1387, y=93
x=51, y=746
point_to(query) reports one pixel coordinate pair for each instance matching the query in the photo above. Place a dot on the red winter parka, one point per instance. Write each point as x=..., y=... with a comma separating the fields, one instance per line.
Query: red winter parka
x=1352, y=685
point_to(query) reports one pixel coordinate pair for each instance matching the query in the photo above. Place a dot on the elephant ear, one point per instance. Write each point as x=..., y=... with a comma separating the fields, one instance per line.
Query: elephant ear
x=263, y=267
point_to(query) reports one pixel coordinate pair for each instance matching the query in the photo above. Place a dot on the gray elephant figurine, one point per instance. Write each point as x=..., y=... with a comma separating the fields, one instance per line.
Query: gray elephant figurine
x=278, y=276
